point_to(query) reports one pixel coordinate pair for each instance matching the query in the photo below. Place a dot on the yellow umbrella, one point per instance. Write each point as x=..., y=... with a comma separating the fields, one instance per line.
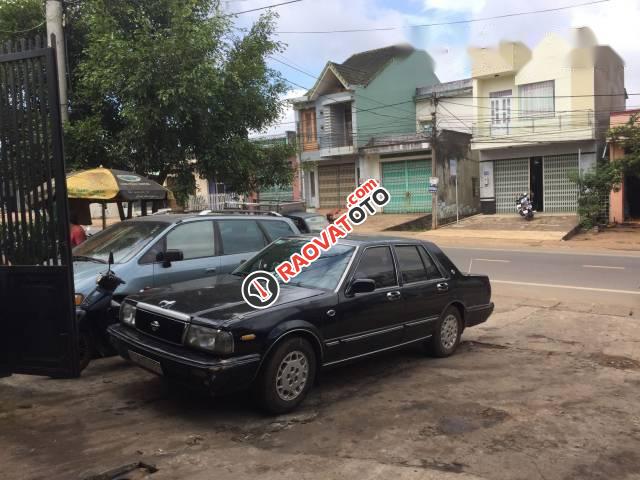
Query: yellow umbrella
x=104, y=185
x=109, y=185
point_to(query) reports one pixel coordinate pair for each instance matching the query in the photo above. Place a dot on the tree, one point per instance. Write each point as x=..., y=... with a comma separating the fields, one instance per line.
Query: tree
x=20, y=18
x=594, y=187
x=166, y=87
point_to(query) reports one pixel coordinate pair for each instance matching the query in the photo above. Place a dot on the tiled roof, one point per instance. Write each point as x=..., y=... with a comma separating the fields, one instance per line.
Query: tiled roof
x=361, y=68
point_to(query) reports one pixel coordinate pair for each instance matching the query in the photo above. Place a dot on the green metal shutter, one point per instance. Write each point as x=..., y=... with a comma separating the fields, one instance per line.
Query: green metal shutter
x=408, y=184
x=560, y=193
x=511, y=179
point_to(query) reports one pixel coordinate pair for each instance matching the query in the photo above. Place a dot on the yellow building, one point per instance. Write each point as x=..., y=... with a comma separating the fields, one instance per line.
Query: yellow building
x=539, y=115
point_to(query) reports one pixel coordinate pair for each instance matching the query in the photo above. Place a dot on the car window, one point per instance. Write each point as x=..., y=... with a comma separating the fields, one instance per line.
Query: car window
x=433, y=272
x=194, y=239
x=240, y=236
x=411, y=265
x=124, y=240
x=277, y=228
x=377, y=264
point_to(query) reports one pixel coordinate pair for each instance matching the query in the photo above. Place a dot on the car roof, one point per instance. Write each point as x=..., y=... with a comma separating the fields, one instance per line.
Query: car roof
x=367, y=240
x=183, y=217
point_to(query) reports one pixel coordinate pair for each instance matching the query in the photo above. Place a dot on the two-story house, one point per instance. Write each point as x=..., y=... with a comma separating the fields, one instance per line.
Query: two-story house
x=539, y=115
x=368, y=96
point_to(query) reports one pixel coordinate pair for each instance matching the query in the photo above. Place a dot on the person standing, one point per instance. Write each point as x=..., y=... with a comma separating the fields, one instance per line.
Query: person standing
x=78, y=234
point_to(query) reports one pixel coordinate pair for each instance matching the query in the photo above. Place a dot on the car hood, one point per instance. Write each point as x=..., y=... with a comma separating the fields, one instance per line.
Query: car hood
x=217, y=299
x=85, y=275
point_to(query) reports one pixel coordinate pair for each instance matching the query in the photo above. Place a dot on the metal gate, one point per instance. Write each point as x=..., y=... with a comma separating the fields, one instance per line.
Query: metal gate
x=38, y=333
x=335, y=183
x=560, y=193
x=511, y=179
x=408, y=183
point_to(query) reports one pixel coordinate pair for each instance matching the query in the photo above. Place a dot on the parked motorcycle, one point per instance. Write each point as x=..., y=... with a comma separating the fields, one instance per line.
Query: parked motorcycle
x=95, y=314
x=525, y=207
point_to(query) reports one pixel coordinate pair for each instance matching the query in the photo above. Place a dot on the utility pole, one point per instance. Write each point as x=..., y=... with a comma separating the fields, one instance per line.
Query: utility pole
x=434, y=136
x=53, y=16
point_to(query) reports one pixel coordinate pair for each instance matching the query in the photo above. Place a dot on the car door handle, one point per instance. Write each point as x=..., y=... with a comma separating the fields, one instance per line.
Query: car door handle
x=393, y=295
x=210, y=270
x=443, y=287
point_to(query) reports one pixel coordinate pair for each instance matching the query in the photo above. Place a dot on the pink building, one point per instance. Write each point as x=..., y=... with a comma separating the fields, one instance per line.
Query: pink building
x=624, y=204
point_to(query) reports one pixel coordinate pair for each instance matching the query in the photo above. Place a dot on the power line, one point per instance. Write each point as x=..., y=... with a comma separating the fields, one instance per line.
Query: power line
x=264, y=8
x=454, y=22
x=23, y=31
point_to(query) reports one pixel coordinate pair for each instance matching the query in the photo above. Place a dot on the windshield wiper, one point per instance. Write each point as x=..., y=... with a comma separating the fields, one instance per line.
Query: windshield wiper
x=84, y=258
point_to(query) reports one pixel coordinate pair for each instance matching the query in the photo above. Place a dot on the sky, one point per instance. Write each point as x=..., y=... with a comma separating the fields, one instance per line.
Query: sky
x=614, y=23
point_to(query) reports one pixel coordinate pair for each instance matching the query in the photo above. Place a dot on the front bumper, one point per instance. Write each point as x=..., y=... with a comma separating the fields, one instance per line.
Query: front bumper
x=199, y=370
x=477, y=315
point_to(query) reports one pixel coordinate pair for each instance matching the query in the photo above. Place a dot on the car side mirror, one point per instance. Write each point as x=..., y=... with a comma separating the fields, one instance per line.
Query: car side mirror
x=169, y=256
x=362, y=285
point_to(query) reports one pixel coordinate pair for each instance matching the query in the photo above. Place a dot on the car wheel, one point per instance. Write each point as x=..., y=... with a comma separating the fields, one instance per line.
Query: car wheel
x=446, y=338
x=85, y=349
x=286, y=376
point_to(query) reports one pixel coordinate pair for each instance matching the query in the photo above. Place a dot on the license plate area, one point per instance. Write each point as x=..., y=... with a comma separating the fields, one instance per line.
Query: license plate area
x=146, y=362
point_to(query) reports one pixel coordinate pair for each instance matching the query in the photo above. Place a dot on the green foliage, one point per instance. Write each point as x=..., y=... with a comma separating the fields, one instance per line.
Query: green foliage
x=33, y=251
x=594, y=187
x=159, y=83
x=627, y=136
x=21, y=18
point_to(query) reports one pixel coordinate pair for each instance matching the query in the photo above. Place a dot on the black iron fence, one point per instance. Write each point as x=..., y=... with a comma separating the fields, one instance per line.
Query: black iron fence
x=38, y=332
x=33, y=209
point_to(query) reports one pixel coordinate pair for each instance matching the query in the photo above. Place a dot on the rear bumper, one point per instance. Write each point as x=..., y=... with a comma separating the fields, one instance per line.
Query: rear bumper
x=194, y=369
x=478, y=314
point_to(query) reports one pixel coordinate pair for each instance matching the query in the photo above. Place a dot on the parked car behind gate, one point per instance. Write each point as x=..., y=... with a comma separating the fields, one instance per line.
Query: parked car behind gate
x=365, y=295
x=161, y=249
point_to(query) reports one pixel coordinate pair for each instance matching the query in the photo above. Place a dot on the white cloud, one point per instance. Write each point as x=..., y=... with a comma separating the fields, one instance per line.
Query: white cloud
x=456, y=5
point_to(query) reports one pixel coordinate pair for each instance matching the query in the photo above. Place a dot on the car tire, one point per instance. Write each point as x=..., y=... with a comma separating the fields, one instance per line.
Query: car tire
x=286, y=376
x=446, y=337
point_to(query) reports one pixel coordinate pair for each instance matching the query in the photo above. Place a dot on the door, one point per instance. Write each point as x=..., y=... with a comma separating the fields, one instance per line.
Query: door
x=536, y=187
x=408, y=183
x=425, y=292
x=372, y=321
x=37, y=320
x=511, y=179
x=196, y=241
x=239, y=240
x=335, y=183
x=560, y=193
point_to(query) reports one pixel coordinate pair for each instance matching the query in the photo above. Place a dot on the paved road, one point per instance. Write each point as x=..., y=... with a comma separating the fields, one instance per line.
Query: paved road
x=607, y=278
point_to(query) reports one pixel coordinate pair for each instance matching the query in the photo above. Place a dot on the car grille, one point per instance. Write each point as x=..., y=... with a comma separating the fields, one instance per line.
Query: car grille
x=165, y=328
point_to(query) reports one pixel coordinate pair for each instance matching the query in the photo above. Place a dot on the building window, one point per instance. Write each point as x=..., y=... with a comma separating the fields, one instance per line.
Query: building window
x=426, y=126
x=312, y=183
x=537, y=99
x=500, y=107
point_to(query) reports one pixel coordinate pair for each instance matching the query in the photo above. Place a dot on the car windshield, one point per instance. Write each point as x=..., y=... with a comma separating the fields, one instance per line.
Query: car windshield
x=124, y=239
x=324, y=273
x=317, y=223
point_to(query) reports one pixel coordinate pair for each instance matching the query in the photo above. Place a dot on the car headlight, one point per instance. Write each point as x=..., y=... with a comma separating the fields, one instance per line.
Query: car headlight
x=128, y=314
x=210, y=340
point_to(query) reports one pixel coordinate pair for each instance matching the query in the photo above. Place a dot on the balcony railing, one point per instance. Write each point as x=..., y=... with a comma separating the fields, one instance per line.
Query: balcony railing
x=343, y=138
x=552, y=127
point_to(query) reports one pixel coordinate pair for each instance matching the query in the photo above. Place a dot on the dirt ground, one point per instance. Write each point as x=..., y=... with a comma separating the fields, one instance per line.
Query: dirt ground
x=544, y=390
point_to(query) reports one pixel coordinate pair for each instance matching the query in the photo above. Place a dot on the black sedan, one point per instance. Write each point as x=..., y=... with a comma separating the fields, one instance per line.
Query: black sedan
x=364, y=296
